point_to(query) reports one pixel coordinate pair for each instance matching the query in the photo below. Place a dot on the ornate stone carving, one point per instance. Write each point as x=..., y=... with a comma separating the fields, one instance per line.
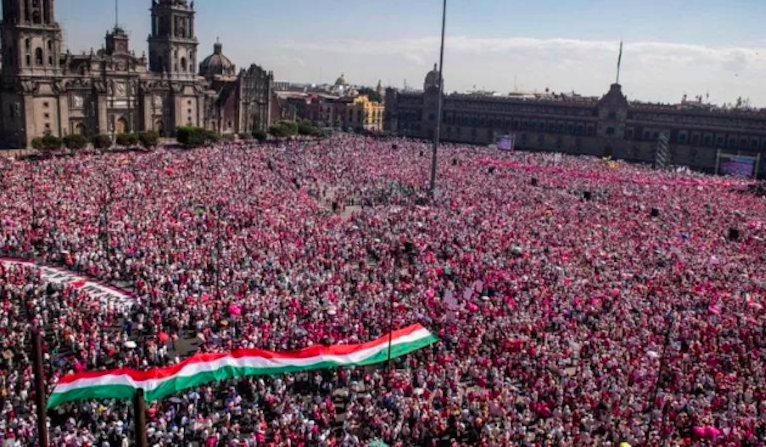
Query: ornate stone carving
x=28, y=86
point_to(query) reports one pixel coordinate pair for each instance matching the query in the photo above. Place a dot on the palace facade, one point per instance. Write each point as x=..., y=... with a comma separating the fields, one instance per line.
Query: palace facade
x=45, y=90
x=609, y=126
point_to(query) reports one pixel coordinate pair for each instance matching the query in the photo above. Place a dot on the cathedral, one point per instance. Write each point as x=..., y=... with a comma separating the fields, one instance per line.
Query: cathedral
x=45, y=90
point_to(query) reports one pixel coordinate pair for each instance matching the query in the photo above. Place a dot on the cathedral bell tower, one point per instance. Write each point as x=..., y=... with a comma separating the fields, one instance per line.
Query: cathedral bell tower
x=31, y=38
x=173, y=43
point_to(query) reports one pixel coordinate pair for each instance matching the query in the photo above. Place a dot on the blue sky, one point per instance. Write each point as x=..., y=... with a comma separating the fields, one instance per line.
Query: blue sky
x=672, y=47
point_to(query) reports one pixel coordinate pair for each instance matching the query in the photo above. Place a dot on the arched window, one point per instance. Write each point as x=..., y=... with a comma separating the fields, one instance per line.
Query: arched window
x=39, y=59
x=28, y=44
x=183, y=64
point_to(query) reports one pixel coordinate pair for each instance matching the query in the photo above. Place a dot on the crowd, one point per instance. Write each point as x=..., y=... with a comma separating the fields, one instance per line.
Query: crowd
x=578, y=302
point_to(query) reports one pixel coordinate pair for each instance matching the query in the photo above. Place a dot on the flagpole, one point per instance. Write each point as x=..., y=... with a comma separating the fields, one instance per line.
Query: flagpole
x=139, y=418
x=619, y=64
x=437, y=136
x=40, y=393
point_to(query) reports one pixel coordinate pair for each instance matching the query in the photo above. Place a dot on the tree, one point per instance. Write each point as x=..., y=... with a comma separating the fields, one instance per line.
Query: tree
x=75, y=142
x=305, y=128
x=149, y=139
x=101, y=141
x=195, y=136
x=279, y=131
x=127, y=139
x=260, y=136
x=290, y=126
x=371, y=94
x=48, y=143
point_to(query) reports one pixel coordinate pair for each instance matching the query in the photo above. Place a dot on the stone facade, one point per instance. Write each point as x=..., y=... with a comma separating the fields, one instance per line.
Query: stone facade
x=610, y=126
x=45, y=91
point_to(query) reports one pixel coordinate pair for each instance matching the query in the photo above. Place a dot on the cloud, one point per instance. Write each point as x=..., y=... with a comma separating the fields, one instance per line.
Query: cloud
x=658, y=71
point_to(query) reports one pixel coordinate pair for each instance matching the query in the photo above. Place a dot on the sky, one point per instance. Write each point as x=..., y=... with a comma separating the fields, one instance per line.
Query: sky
x=712, y=48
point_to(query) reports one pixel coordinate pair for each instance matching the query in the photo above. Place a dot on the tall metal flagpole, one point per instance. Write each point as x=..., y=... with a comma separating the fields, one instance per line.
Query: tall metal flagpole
x=139, y=418
x=437, y=136
x=619, y=64
x=40, y=392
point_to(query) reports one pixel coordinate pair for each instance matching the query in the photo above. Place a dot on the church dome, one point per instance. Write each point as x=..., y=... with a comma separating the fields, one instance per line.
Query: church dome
x=432, y=78
x=341, y=81
x=217, y=64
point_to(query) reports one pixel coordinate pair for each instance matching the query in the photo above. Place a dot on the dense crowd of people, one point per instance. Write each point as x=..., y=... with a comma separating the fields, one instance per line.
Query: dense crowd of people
x=578, y=301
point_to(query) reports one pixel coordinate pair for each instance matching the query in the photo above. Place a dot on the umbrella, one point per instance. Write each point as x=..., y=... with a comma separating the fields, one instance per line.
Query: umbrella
x=163, y=337
x=235, y=310
x=130, y=345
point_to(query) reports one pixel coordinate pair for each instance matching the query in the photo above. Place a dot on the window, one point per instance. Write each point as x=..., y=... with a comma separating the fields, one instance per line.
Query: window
x=610, y=130
x=28, y=44
x=682, y=138
x=47, y=116
x=39, y=56
x=46, y=105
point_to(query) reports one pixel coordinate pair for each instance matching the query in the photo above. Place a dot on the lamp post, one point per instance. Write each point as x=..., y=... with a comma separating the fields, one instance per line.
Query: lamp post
x=440, y=104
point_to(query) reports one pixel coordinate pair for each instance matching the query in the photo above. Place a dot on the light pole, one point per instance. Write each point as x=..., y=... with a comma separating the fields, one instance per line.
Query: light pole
x=440, y=103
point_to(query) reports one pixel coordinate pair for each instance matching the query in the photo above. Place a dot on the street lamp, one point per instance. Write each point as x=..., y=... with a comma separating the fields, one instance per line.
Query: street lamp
x=440, y=103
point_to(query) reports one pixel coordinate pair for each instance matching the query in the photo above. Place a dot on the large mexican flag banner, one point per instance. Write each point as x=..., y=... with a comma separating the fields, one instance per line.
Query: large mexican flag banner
x=205, y=368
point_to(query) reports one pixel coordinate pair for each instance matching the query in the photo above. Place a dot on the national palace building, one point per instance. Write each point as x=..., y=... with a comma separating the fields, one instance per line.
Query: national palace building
x=45, y=90
x=610, y=126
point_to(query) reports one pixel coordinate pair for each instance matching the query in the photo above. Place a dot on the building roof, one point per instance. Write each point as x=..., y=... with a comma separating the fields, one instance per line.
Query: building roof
x=217, y=64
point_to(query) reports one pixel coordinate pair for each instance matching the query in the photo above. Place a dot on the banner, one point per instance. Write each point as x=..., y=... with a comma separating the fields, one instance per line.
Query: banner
x=737, y=165
x=101, y=293
x=206, y=368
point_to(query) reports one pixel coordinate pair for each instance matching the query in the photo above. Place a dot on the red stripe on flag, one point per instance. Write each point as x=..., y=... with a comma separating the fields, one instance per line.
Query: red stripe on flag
x=312, y=351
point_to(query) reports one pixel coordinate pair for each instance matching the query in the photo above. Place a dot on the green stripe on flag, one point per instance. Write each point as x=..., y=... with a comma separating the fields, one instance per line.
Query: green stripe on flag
x=174, y=385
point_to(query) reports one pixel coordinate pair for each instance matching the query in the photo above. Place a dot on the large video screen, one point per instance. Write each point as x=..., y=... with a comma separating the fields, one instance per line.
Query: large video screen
x=506, y=142
x=737, y=165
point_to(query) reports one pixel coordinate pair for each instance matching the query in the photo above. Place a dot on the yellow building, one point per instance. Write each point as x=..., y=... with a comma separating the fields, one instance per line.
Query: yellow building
x=361, y=113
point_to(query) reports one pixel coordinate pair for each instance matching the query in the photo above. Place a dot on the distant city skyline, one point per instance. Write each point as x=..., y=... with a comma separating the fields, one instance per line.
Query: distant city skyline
x=671, y=47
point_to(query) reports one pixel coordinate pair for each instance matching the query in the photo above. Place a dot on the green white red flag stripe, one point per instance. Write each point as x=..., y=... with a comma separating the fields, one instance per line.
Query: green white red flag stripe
x=205, y=368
